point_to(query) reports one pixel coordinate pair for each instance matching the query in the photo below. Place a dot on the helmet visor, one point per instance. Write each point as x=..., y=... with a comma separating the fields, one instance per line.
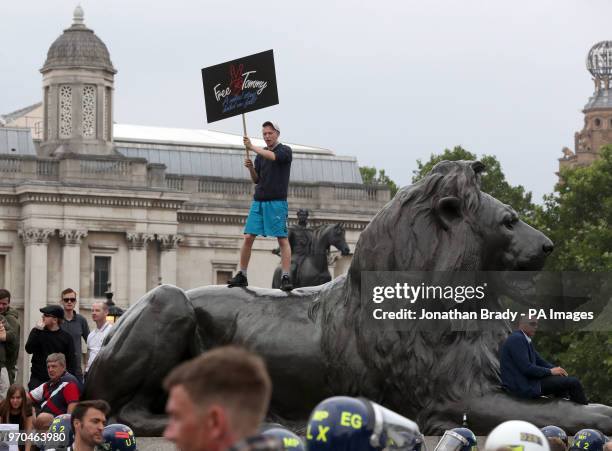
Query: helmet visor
x=394, y=431
x=451, y=441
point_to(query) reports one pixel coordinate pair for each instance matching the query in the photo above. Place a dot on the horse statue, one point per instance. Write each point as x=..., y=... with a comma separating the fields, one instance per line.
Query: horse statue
x=311, y=269
x=318, y=341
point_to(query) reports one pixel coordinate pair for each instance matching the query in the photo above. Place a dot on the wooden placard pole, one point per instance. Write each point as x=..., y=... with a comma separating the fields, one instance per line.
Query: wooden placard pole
x=245, y=132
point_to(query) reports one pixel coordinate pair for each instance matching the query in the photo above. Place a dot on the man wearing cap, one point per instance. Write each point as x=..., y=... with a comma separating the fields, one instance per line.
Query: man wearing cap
x=48, y=338
x=269, y=210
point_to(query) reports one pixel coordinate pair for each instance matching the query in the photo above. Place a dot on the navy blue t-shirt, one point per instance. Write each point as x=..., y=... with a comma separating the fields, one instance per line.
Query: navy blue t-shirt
x=273, y=174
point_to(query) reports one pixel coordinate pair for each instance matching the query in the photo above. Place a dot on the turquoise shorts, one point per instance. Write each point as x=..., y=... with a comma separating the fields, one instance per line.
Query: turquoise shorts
x=267, y=218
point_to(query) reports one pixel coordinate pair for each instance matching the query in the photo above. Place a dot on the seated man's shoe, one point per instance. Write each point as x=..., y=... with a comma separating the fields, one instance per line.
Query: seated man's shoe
x=239, y=280
x=286, y=284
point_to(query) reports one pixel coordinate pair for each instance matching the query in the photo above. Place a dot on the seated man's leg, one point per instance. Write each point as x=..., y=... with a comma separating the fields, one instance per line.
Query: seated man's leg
x=562, y=385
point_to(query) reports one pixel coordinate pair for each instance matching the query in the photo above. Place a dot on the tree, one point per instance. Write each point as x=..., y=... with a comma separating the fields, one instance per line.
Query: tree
x=373, y=176
x=577, y=217
x=493, y=181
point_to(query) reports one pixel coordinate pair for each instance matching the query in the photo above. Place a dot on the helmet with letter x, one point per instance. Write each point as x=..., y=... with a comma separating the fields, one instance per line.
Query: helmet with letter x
x=357, y=424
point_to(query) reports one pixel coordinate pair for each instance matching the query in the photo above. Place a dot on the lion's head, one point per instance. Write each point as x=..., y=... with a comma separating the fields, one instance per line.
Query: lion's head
x=445, y=223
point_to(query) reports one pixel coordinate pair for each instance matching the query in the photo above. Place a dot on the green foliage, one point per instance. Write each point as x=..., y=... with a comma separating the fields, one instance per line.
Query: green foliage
x=577, y=218
x=493, y=181
x=372, y=176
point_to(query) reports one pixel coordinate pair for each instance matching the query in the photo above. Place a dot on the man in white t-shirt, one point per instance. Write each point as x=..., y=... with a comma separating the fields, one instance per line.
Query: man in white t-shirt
x=99, y=310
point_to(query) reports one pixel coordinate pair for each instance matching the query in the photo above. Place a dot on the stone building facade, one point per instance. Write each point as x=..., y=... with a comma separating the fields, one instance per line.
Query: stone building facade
x=597, y=129
x=84, y=201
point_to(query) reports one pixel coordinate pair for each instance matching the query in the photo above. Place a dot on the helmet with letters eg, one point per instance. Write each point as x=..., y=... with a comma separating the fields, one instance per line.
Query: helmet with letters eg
x=458, y=439
x=342, y=423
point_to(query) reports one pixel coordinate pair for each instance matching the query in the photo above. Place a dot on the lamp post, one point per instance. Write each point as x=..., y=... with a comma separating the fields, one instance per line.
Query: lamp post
x=114, y=312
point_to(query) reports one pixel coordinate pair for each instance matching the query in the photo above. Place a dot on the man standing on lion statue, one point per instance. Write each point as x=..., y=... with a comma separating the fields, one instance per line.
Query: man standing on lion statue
x=269, y=209
x=316, y=343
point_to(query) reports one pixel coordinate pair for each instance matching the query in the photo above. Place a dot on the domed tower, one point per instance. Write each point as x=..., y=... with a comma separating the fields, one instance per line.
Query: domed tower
x=597, y=130
x=78, y=80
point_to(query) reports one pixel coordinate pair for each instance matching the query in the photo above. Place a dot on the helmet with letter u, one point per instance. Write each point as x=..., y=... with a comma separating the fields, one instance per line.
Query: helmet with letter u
x=118, y=437
x=289, y=440
x=342, y=423
x=458, y=439
x=61, y=432
x=518, y=436
x=555, y=432
x=588, y=440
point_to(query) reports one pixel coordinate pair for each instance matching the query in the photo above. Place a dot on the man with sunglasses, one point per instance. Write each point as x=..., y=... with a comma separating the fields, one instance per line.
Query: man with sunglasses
x=526, y=374
x=76, y=325
x=45, y=339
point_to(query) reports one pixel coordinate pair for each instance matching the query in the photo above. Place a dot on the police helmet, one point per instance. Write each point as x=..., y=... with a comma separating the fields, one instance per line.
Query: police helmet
x=517, y=435
x=289, y=440
x=605, y=438
x=458, y=439
x=588, y=440
x=555, y=432
x=118, y=437
x=356, y=424
x=61, y=433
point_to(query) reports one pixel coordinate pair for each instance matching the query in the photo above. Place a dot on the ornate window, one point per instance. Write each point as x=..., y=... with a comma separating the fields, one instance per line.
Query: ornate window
x=89, y=111
x=47, y=124
x=107, y=114
x=597, y=122
x=65, y=108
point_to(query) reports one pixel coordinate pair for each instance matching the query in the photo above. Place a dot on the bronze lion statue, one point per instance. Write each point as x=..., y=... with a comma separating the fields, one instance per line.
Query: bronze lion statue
x=316, y=343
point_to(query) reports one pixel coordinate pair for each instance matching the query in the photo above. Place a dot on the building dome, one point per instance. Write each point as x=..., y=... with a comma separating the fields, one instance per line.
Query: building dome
x=78, y=47
x=599, y=60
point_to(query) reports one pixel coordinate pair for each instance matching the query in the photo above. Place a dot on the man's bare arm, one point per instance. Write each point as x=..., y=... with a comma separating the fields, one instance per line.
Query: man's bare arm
x=249, y=165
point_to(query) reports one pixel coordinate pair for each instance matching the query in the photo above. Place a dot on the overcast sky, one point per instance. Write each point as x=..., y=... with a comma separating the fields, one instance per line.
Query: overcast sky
x=386, y=81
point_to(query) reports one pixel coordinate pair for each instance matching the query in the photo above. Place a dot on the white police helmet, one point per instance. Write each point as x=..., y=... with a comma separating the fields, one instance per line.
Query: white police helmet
x=517, y=436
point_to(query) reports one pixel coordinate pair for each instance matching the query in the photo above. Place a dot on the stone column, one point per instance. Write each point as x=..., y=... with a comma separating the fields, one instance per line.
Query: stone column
x=71, y=259
x=137, y=269
x=167, y=260
x=35, y=242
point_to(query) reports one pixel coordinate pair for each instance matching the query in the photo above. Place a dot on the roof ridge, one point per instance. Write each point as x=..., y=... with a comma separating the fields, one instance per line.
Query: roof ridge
x=21, y=112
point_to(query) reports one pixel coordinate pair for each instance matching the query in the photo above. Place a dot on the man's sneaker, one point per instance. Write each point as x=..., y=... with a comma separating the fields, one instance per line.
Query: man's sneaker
x=286, y=284
x=239, y=280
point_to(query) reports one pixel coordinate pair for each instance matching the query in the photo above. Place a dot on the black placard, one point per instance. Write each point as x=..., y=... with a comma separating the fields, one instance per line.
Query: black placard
x=239, y=86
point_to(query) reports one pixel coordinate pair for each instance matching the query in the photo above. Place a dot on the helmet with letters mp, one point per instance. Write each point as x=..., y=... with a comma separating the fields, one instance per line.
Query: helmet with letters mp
x=588, y=440
x=289, y=440
x=458, y=439
x=342, y=423
x=60, y=434
x=518, y=436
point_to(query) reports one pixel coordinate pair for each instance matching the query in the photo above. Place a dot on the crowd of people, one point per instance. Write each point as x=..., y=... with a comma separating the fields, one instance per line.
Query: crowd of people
x=218, y=401
x=56, y=376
